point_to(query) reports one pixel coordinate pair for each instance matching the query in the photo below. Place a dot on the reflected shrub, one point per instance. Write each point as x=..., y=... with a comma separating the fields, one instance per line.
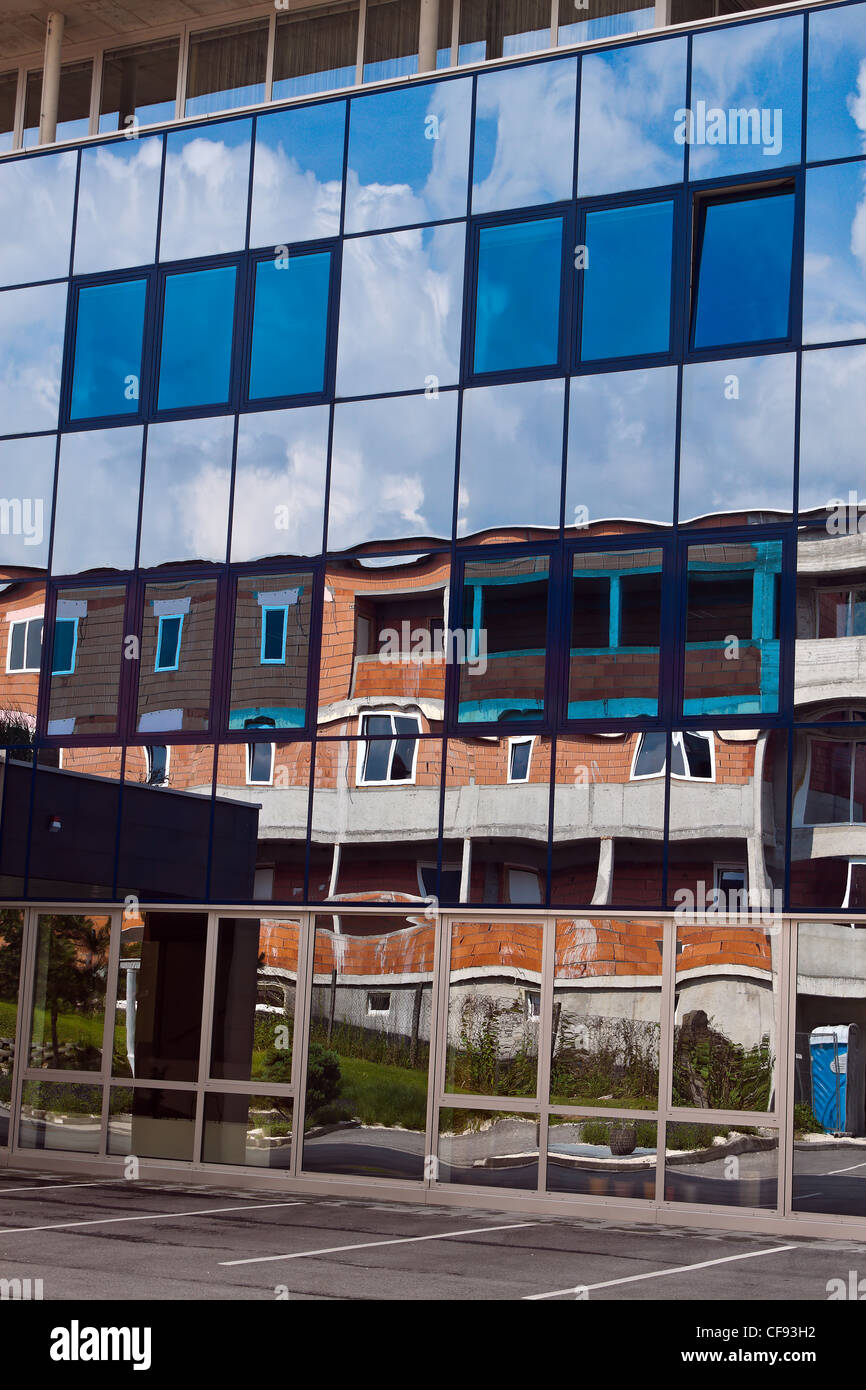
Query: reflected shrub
x=613, y=1059
x=713, y=1073
x=496, y=1053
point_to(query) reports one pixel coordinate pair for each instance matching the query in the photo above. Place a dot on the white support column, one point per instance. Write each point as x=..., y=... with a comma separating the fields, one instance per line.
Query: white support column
x=51, y=78
x=428, y=36
x=662, y=17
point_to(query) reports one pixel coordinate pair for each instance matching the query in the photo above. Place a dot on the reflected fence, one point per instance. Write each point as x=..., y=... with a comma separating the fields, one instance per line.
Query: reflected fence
x=666, y=1068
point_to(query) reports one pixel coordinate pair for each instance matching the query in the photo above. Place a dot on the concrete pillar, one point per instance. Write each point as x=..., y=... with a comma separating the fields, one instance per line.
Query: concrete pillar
x=51, y=78
x=428, y=36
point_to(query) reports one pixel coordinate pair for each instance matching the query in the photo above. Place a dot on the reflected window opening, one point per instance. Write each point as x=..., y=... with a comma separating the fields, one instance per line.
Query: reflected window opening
x=519, y=758
x=741, y=298
x=692, y=756
x=168, y=642
x=381, y=761
x=24, y=649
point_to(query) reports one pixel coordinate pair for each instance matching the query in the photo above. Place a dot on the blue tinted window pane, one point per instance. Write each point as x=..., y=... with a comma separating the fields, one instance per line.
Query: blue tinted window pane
x=745, y=298
x=837, y=51
x=273, y=639
x=606, y=26
x=298, y=174
x=517, y=309
x=63, y=654
x=290, y=326
x=108, y=338
x=169, y=643
x=315, y=53
x=627, y=281
x=227, y=68
x=197, y=338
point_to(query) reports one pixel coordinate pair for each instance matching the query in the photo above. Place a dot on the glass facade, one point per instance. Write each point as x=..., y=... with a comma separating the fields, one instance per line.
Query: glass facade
x=421, y=531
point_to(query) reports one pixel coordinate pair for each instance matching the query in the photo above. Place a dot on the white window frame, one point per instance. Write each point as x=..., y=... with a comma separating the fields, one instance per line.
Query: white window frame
x=453, y=867
x=378, y=1013
x=148, y=762
x=23, y=622
x=852, y=863
x=248, y=751
x=365, y=739
x=677, y=776
x=512, y=743
x=798, y=812
x=850, y=590
x=532, y=1004
x=525, y=869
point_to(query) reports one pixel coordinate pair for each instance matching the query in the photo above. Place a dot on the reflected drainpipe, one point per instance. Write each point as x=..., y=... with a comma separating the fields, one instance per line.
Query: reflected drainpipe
x=51, y=78
x=428, y=36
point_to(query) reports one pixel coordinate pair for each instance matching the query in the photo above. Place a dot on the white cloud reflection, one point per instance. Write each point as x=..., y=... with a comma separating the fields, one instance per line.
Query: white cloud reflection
x=279, y=500
x=511, y=456
x=621, y=445
x=186, y=491
x=204, y=206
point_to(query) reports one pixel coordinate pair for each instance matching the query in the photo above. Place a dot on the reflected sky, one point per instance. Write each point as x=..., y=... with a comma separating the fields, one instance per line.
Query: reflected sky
x=118, y=202
x=621, y=446
x=524, y=136
x=511, y=456
x=392, y=469
x=628, y=101
x=204, y=205
x=298, y=174
x=836, y=100
x=834, y=261
x=186, y=491
x=408, y=156
x=279, y=502
x=36, y=197
x=32, y=326
x=832, y=425
x=749, y=66
x=27, y=473
x=97, y=500
x=737, y=445
x=401, y=305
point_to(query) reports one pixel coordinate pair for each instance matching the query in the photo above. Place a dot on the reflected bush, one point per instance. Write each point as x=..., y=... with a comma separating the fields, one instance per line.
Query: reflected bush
x=612, y=1059
x=713, y=1073
x=496, y=1053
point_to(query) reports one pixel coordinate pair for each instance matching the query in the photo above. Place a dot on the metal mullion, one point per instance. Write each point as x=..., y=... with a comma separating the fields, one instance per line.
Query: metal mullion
x=439, y=1030
x=545, y=1044
x=666, y=1048
x=523, y=1104
x=209, y=988
x=110, y=1021
x=22, y=1023
x=603, y=1112
x=303, y=999
x=785, y=1099
x=692, y=1114
x=251, y=1087
x=434, y=1052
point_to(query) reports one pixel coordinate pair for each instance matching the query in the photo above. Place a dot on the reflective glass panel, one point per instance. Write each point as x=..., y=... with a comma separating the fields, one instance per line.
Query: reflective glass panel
x=629, y=98
x=197, y=327
x=732, y=628
x=829, y=677
x=615, y=634
x=31, y=351
x=69, y=992
x=370, y=1024
x=837, y=48
x=36, y=197
x=746, y=94
x=260, y=831
x=501, y=28
x=97, y=500
x=109, y=330
x=524, y=136
x=87, y=651
x=505, y=621
x=315, y=53
x=27, y=470
x=290, y=326
x=627, y=281
x=271, y=650
x=176, y=653
x=834, y=287
x=517, y=306
x=279, y=497
x=160, y=978
x=298, y=173
x=118, y=197
x=759, y=307
x=390, y=39
x=151, y=1124
x=408, y=156
x=492, y=1041
x=488, y=1148
x=392, y=470
x=609, y=820
x=699, y=1167
x=8, y=97
x=12, y=933
x=621, y=426
x=401, y=306
x=737, y=437
x=57, y=1115
x=510, y=456
x=829, y=1112
x=139, y=85
x=73, y=105
x=606, y=19
x=205, y=190
x=254, y=1000
x=226, y=67
x=497, y=798
x=255, y=1131
x=165, y=828
x=832, y=424
x=187, y=480
x=586, y=1155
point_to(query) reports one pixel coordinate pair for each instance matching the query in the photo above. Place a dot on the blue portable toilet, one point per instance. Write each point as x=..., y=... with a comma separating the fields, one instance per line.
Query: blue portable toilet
x=838, y=1071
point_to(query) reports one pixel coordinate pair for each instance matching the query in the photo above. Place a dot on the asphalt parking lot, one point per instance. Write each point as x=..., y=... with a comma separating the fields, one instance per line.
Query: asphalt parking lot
x=145, y=1241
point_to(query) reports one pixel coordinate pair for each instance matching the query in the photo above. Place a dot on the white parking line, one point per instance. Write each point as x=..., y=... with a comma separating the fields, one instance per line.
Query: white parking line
x=658, y=1273
x=834, y=1171
x=53, y=1186
x=372, y=1244
x=148, y=1216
